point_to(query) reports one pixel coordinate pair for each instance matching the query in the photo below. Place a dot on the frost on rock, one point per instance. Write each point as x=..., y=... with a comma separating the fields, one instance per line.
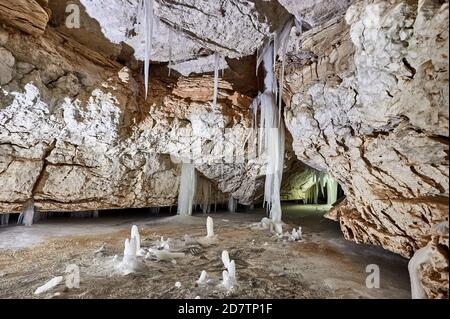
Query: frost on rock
x=187, y=189
x=53, y=283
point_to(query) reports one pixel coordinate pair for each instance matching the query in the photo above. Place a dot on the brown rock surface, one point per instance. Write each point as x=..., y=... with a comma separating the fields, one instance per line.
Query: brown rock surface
x=368, y=103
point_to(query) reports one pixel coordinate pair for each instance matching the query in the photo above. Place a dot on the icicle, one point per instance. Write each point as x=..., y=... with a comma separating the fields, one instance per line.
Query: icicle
x=209, y=227
x=170, y=49
x=216, y=79
x=148, y=32
x=332, y=189
x=232, y=204
x=4, y=220
x=187, y=189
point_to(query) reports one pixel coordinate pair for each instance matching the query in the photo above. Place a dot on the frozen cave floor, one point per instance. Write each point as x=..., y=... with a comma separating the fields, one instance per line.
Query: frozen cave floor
x=322, y=265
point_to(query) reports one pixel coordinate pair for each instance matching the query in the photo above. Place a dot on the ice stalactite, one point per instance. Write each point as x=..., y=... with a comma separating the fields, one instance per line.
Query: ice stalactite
x=422, y=256
x=188, y=186
x=216, y=80
x=4, y=220
x=147, y=14
x=332, y=190
x=27, y=216
x=232, y=204
x=273, y=140
x=205, y=190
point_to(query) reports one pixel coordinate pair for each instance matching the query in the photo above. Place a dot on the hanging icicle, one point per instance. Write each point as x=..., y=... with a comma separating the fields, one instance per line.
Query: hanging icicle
x=148, y=16
x=216, y=79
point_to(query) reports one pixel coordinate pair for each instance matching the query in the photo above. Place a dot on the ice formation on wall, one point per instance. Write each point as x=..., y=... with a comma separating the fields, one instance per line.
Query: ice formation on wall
x=187, y=189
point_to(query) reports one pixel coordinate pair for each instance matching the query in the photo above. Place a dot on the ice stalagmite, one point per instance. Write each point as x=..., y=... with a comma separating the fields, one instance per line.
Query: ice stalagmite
x=216, y=80
x=147, y=7
x=209, y=227
x=203, y=280
x=422, y=256
x=225, y=258
x=137, y=237
x=188, y=185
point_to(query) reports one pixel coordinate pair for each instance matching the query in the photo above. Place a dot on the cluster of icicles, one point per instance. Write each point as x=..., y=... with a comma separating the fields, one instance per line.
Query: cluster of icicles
x=271, y=140
x=147, y=18
x=322, y=181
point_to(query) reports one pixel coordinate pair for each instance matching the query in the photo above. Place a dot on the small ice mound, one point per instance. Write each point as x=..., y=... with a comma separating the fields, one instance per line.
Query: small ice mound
x=296, y=235
x=266, y=223
x=178, y=284
x=203, y=280
x=163, y=255
x=163, y=244
x=51, y=284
